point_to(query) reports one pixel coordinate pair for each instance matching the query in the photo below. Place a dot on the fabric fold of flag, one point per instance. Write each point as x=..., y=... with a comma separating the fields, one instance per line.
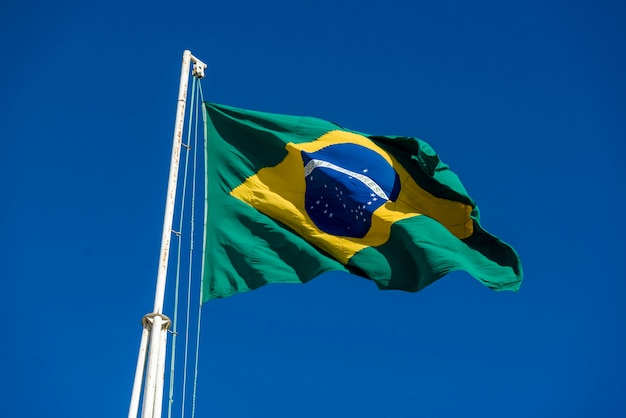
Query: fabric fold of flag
x=292, y=197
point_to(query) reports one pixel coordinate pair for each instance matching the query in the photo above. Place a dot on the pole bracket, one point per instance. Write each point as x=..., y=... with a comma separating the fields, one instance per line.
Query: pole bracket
x=148, y=320
x=198, y=68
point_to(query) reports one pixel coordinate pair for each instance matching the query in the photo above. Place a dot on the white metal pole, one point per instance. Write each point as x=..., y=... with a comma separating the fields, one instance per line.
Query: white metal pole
x=160, y=378
x=151, y=374
x=171, y=187
x=141, y=362
x=154, y=335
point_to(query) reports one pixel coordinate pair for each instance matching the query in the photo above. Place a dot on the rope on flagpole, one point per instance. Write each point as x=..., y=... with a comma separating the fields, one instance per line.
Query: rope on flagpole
x=191, y=239
x=179, y=235
x=187, y=216
x=195, y=376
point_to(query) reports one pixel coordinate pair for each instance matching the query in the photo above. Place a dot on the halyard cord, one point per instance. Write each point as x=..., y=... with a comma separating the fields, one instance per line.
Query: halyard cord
x=192, y=114
x=195, y=377
x=177, y=282
x=178, y=261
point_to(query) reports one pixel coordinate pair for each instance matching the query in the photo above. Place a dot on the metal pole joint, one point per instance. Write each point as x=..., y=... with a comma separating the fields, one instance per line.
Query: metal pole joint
x=148, y=320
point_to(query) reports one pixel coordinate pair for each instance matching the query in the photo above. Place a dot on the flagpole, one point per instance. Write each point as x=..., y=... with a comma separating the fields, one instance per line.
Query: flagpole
x=155, y=325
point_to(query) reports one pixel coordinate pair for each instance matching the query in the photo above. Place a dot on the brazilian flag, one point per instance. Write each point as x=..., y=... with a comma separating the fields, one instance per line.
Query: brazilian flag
x=292, y=197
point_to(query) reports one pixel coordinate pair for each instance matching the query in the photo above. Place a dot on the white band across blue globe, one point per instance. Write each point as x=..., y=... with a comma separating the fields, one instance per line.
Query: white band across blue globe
x=371, y=184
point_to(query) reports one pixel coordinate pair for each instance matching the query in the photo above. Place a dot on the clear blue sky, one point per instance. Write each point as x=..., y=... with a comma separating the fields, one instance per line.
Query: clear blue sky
x=526, y=101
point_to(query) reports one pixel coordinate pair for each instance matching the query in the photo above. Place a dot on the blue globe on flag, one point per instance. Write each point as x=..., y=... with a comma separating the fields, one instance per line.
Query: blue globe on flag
x=345, y=184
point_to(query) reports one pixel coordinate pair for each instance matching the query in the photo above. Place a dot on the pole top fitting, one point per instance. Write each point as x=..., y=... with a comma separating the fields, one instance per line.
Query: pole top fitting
x=148, y=320
x=198, y=67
